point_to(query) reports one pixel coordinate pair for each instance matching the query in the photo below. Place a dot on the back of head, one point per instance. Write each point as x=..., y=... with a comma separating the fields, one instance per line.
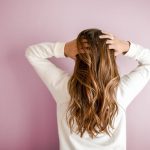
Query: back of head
x=92, y=85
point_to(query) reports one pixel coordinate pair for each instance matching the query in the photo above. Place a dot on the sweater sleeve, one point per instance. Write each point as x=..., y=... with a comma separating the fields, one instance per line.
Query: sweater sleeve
x=133, y=82
x=52, y=76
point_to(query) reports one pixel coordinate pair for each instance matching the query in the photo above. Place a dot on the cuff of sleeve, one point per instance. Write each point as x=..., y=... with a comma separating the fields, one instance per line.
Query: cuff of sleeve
x=59, y=49
x=131, y=51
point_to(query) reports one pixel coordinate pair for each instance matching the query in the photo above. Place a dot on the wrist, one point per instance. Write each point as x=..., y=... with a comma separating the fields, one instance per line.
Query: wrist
x=126, y=47
x=66, y=50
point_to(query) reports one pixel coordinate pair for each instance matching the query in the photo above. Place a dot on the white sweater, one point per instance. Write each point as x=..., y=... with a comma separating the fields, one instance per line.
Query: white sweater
x=56, y=80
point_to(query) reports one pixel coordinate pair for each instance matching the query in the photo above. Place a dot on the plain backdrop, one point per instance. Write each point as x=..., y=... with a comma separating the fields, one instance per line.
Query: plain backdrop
x=27, y=109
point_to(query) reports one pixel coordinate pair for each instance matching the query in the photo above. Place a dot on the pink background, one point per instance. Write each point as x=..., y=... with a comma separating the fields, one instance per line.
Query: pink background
x=27, y=109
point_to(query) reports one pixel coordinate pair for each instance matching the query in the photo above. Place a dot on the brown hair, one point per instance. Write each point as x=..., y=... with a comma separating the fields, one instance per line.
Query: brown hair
x=92, y=85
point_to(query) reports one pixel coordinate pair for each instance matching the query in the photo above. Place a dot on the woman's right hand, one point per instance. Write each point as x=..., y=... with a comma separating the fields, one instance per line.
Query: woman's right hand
x=70, y=49
x=120, y=46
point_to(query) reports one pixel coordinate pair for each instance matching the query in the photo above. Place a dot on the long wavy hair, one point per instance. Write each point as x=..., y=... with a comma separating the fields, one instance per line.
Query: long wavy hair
x=92, y=86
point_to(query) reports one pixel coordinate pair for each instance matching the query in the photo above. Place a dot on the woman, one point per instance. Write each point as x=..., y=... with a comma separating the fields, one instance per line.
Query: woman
x=92, y=102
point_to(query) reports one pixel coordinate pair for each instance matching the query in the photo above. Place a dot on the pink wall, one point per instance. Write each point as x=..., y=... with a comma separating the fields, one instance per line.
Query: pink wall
x=27, y=109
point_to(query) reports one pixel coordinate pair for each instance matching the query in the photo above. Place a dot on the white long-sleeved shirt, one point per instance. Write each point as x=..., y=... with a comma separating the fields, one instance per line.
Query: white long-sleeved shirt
x=56, y=81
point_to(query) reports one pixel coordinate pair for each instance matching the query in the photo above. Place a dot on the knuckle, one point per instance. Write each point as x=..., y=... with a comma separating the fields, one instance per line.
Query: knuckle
x=107, y=41
x=109, y=46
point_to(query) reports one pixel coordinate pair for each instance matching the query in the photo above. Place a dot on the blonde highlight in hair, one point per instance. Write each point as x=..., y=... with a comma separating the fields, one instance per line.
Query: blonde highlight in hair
x=92, y=86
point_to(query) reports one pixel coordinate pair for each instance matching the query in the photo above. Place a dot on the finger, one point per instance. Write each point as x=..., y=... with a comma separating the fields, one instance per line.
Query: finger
x=107, y=33
x=109, y=42
x=116, y=53
x=86, y=45
x=111, y=47
x=106, y=36
x=84, y=40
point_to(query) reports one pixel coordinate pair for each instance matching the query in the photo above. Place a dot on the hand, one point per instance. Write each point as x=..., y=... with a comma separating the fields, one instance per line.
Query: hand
x=70, y=49
x=120, y=46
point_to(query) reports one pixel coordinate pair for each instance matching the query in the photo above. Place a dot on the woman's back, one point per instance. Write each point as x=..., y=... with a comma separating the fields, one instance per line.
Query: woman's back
x=56, y=81
x=102, y=141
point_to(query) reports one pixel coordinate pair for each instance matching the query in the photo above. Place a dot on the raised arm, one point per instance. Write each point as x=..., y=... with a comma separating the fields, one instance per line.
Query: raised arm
x=131, y=84
x=53, y=77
